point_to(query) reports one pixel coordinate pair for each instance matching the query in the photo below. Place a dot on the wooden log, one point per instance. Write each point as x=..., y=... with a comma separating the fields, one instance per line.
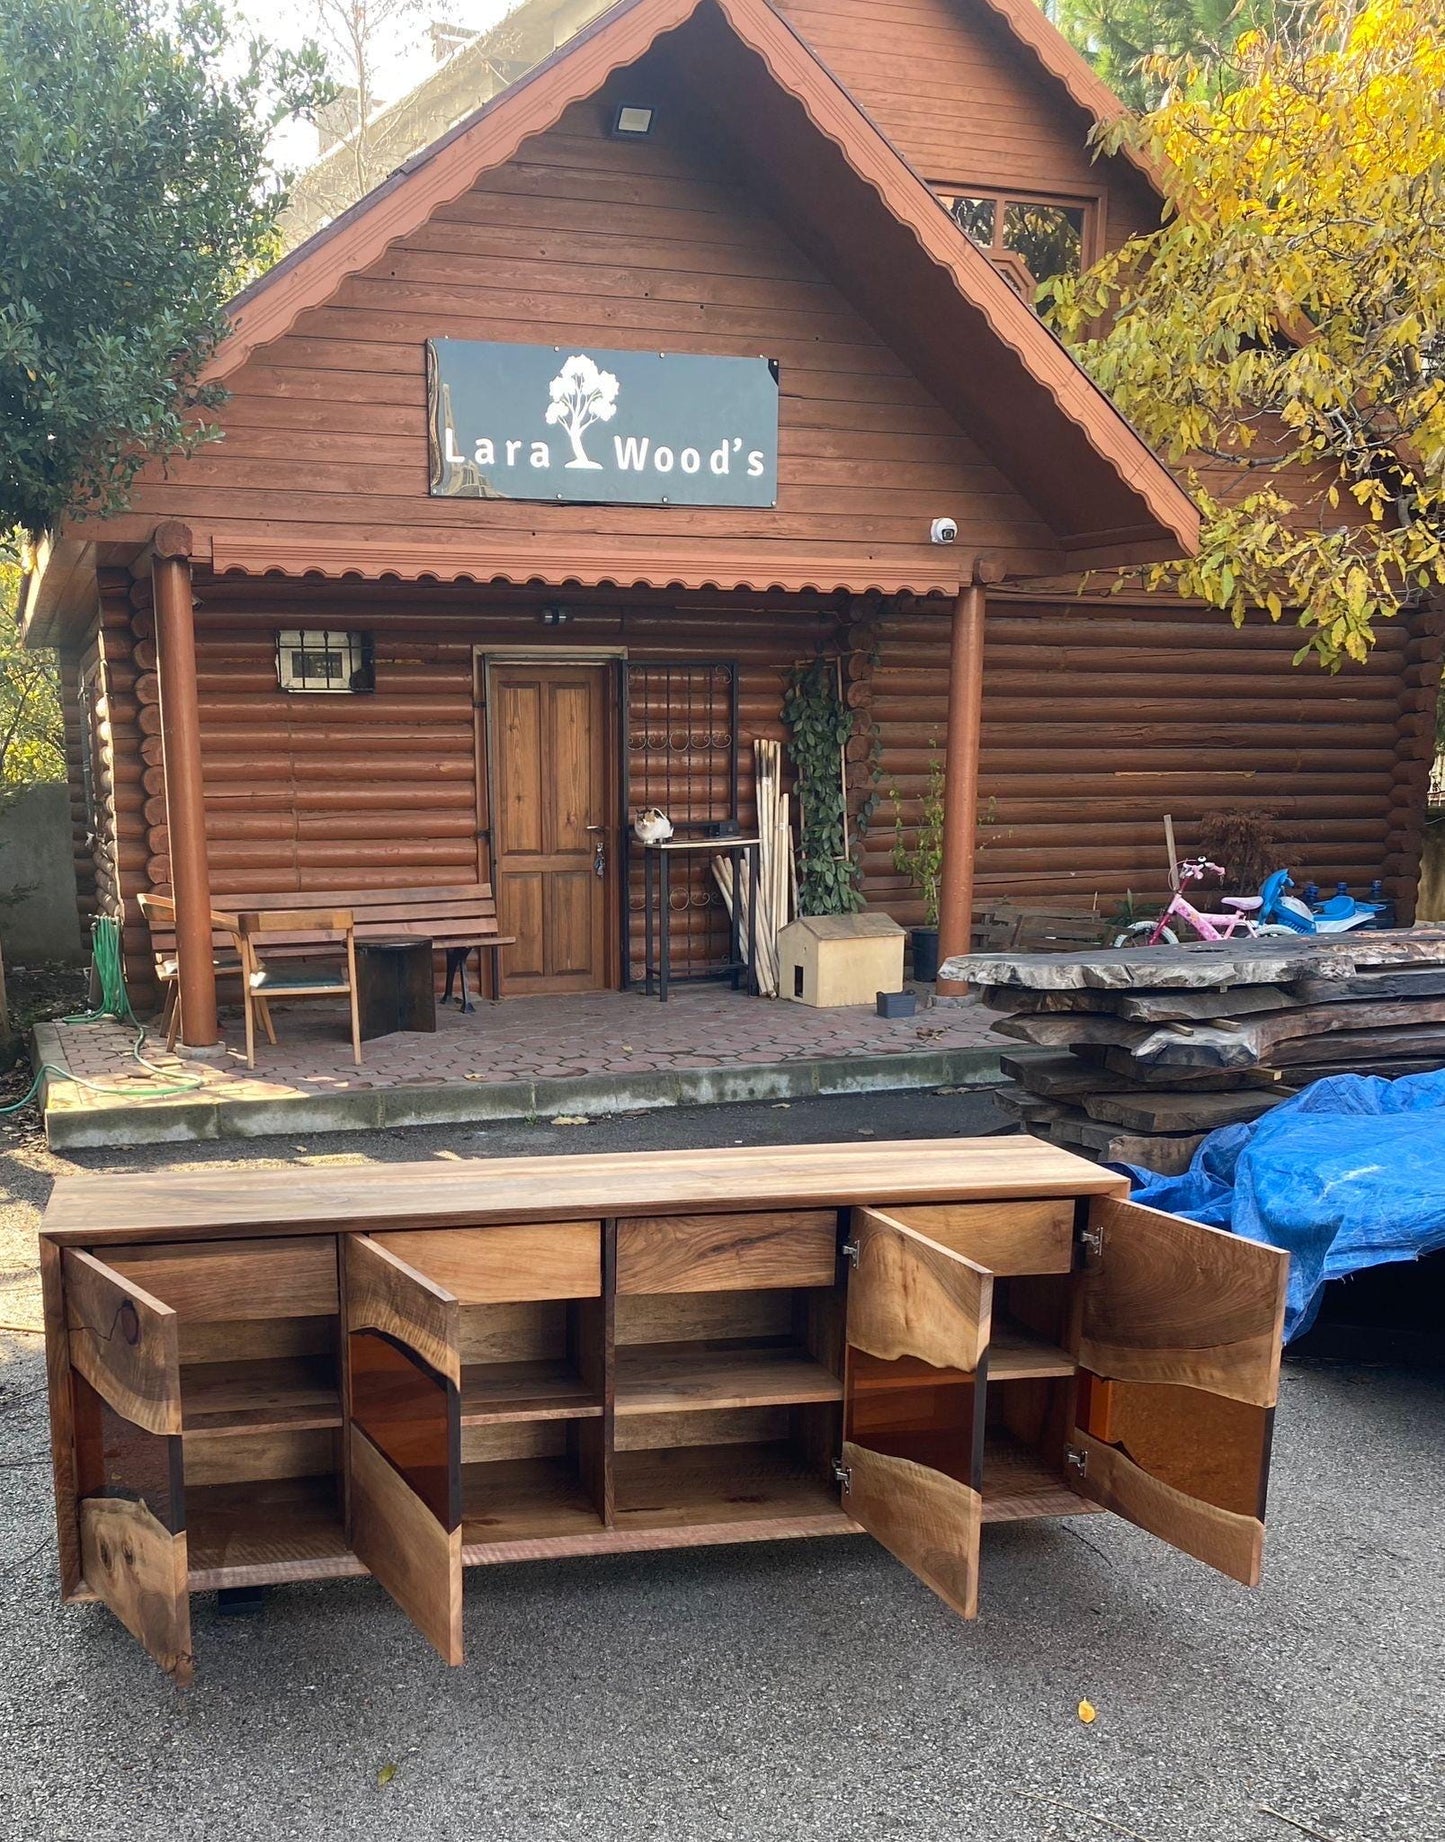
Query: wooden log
x=1066, y=1077
x=1409, y=982
x=1122, y=1069
x=1020, y=1003
x=1201, y=1006
x=1060, y=1032
x=1204, y=965
x=1181, y=1112
x=1391, y=1068
x=1167, y=1153
x=1262, y=1039
x=1355, y=1047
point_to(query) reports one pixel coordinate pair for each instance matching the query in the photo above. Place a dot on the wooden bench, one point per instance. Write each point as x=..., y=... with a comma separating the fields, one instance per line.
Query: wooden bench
x=455, y=918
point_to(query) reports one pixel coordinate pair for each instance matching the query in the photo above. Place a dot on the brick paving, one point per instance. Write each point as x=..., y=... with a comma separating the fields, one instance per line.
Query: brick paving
x=597, y=1034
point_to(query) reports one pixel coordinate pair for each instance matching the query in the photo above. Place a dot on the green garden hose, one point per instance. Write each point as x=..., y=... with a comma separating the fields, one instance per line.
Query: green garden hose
x=108, y=965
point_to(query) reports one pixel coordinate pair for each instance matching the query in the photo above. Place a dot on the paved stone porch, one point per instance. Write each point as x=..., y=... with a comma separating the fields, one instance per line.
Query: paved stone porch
x=606, y=1052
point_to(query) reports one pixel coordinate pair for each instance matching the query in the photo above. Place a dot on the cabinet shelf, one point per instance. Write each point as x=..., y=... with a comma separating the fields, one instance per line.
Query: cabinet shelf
x=523, y=1500
x=265, y=1531
x=1018, y=1485
x=1016, y=1354
x=259, y=1395
x=698, y=1487
x=496, y=1392
x=681, y=1377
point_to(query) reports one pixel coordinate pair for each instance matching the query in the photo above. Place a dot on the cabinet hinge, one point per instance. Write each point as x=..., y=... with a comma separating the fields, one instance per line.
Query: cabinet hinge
x=1077, y=1460
x=849, y=1251
x=842, y=1474
x=1091, y=1239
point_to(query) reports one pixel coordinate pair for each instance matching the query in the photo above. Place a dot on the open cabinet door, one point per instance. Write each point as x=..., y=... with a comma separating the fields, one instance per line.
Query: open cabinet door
x=403, y=1436
x=125, y=1381
x=913, y=1402
x=1179, y=1372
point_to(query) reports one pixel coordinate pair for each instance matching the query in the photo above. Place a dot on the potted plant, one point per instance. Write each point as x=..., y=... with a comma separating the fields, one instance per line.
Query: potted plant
x=922, y=862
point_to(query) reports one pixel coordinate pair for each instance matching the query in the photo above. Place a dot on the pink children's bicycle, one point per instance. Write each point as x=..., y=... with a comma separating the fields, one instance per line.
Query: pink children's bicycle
x=1239, y=924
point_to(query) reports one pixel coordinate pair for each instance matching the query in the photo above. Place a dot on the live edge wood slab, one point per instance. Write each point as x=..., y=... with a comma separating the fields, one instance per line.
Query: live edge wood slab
x=414, y=1369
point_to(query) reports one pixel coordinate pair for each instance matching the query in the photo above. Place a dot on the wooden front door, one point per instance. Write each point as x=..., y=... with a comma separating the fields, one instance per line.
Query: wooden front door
x=555, y=842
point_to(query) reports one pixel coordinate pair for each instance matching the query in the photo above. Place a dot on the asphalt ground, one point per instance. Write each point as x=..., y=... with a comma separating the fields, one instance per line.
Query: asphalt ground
x=779, y=1691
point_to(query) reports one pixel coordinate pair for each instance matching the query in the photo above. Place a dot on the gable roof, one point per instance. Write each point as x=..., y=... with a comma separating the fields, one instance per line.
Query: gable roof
x=472, y=75
x=854, y=205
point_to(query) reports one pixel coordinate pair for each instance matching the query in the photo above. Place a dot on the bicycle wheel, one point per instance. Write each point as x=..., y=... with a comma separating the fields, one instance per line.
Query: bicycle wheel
x=1140, y=934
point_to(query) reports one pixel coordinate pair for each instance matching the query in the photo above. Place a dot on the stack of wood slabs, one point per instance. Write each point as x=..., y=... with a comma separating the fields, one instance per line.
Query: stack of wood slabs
x=1135, y=1054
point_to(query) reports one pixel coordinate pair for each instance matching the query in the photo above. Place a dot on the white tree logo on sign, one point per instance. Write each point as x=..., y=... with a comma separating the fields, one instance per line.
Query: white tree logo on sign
x=582, y=395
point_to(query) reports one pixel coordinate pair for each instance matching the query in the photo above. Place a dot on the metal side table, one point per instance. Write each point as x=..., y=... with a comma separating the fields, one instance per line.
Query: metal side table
x=657, y=891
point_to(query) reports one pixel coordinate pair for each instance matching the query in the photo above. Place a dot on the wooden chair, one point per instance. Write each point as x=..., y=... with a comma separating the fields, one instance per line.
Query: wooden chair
x=262, y=984
x=160, y=917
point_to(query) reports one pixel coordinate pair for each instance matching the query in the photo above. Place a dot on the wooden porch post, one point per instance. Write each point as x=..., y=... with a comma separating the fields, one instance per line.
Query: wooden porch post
x=185, y=800
x=960, y=782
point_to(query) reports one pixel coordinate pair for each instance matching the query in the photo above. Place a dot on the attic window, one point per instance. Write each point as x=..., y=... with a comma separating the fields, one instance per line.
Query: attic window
x=321, y=659
x=1047, y=237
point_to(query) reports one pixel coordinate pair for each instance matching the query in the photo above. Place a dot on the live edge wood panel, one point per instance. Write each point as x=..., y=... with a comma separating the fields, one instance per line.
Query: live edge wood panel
x=532, y=1358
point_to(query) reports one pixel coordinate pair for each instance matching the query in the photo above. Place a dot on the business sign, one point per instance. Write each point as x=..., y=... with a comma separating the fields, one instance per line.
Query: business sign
x=591, y=427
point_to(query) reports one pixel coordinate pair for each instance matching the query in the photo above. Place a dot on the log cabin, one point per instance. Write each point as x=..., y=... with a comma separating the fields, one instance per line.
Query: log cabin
x=435, y=609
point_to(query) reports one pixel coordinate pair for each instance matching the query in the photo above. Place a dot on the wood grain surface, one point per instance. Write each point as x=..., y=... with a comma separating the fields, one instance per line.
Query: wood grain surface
x=401, y=1542
x=217, y=1204
x=727, y=1253
x=1171, y=1301
x=507, y=1263
x=1205, y=1445
x=384, y=1293
x=911, y=1297
x=672, y=1378
x=61, y=1402
x=1006, y=1237
x=124, y=1342
x=929, y=1522
x=1220, y=1538
x=262, y=1279
x=138, y=1568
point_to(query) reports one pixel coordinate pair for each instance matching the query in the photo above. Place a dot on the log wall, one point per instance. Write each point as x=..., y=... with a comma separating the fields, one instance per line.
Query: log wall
x=1101, y=717
x=1098, y=719
x=311, y=792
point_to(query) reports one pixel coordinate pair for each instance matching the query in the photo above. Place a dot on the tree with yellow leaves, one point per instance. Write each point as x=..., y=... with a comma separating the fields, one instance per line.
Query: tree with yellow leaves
x=1281, y=339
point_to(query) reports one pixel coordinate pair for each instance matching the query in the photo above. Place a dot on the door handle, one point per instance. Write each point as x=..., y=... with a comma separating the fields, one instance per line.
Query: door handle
x=599, y=851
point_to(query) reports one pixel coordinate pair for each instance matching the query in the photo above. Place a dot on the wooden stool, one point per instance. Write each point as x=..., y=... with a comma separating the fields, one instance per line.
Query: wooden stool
x=395, y=986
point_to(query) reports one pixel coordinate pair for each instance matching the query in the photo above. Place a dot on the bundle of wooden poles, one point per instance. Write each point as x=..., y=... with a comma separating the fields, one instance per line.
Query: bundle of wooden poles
x=1135, y=1054
x=777, y=872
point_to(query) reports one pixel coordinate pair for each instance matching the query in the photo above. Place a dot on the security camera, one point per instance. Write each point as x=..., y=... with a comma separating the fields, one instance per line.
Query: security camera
x=943, y=531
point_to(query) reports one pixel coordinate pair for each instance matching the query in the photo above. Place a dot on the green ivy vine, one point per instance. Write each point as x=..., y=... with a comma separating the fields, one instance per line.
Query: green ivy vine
x=819, y=724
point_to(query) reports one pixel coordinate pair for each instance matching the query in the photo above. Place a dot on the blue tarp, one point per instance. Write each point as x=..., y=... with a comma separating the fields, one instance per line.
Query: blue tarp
x=1348, y=1174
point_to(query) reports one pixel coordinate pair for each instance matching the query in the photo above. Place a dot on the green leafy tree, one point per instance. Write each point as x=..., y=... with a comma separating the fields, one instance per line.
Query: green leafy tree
x=32, y=736
x=1134, y=44
x=1281, y=339
x=136, y=196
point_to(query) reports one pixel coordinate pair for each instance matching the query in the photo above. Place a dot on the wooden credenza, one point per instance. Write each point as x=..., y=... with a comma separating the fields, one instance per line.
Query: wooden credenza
x=409, y=1370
